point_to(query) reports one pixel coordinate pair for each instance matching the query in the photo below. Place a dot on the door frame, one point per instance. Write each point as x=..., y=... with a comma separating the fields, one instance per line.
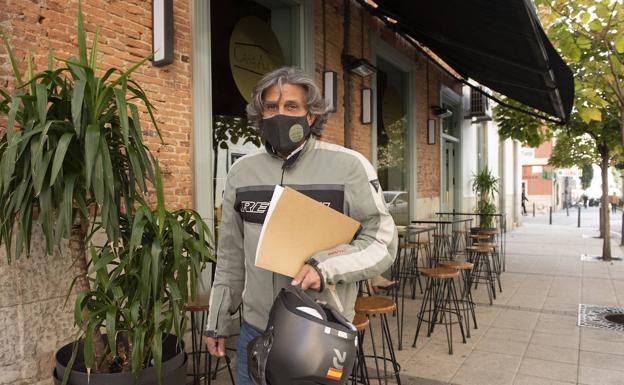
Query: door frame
x=448, y=96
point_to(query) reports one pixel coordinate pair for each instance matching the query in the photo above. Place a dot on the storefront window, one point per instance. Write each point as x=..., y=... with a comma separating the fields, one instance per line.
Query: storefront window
x=392, y=141
x=249, y=39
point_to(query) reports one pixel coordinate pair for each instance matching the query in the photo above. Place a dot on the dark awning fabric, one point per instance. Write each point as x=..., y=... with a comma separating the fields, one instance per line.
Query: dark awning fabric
x=499, y=44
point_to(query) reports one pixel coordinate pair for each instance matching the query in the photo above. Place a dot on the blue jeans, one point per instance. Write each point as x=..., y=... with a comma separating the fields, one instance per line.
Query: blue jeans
x=247, y=333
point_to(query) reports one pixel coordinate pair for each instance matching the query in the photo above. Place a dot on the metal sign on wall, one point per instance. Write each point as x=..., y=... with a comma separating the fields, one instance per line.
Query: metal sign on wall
x=254, y=51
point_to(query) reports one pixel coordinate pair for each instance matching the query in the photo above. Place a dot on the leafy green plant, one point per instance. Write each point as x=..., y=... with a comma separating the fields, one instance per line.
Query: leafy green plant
x=485, y=186
x=73, y=161
x=141, y=284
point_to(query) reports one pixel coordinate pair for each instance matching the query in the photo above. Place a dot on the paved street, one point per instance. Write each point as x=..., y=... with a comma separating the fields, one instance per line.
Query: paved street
x=530, y=334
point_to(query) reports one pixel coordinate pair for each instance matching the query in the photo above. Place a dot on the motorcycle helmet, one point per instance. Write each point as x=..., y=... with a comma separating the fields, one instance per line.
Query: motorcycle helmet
x=305, y=343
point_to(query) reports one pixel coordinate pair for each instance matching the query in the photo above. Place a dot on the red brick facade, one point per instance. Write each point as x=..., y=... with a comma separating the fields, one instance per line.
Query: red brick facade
x=125, y=38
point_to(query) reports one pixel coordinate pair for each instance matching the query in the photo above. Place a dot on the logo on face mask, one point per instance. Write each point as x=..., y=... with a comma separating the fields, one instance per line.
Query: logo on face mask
x=296, y=133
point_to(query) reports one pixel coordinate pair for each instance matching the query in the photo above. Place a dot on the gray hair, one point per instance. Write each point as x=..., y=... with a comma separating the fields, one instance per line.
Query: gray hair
x=314, y=101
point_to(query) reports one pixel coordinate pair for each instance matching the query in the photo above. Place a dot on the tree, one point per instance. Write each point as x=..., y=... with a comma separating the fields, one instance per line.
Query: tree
x=591, y=33
x=588, y=34
x=587, y=175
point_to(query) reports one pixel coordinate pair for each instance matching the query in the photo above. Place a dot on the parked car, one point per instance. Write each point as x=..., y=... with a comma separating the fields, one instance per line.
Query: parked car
x=397, y=203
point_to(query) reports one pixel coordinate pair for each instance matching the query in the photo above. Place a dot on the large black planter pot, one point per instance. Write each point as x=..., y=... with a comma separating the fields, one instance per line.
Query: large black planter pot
x=173, y=370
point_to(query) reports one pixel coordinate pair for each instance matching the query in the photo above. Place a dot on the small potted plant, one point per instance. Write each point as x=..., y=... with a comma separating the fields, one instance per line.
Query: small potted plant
x=485, y=186
x=73, y=162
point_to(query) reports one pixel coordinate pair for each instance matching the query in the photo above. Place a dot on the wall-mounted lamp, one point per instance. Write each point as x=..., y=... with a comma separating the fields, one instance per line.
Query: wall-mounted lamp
x=366, y=113
x=441, y=112
x=360, y=66
x=329, y=89
x=162, y=32
x=431, y=131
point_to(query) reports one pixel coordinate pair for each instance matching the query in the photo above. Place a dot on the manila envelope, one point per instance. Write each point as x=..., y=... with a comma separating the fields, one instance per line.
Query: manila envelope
x=297, y=227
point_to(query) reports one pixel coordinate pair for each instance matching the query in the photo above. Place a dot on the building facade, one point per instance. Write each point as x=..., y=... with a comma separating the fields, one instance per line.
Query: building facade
x=219, y=50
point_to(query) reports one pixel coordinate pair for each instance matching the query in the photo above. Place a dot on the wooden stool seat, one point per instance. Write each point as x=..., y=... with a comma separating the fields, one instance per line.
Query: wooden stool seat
x=457, y=265
x=486, y=244
x=360, y=321
x=198, y=304
x=489, y=233
x=440, y=273
x=480, y=249
x=479, y=236
x=374, y=305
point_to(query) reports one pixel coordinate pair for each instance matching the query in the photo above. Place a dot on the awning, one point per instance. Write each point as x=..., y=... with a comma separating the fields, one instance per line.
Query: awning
x=499, y=44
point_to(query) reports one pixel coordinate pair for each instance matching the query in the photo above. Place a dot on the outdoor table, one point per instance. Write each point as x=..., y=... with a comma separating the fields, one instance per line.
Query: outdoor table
x=442, y=246
x=502, y=227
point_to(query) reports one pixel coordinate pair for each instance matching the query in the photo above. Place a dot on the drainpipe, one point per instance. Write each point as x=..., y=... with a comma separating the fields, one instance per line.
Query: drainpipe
x=345, y=73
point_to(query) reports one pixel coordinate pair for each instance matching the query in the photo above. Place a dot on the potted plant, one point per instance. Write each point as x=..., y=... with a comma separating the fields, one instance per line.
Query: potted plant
x=73, y=161
x=485, y=186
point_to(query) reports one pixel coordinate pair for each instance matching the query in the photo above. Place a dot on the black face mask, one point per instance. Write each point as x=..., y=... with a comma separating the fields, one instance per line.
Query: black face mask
x=285, y=133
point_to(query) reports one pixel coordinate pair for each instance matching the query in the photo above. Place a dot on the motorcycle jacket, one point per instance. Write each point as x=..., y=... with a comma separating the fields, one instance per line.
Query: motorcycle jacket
x=340, y=178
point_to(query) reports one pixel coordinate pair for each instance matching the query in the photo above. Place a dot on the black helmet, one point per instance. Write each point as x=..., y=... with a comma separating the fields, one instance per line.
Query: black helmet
x=305, y=343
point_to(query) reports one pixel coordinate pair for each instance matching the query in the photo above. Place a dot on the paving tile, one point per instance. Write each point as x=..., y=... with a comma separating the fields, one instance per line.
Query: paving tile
x=467, y=375
x=527, y=301
x=549, y=369
x=552, y=353
x=509, y=334
x=602, y=346
x=601, y=334
x=558, y=340
x=492, y=362
x=425, y=366
x=496, y=345
x=602, y=360
x=516, y=319
x=595, y=376
x=523, y=379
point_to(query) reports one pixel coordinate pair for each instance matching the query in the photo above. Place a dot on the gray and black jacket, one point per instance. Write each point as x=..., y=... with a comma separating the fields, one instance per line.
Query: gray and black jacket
x=338, y=177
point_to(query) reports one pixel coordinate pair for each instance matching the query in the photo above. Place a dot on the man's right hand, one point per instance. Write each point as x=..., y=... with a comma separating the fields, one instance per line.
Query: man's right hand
x=216, y=346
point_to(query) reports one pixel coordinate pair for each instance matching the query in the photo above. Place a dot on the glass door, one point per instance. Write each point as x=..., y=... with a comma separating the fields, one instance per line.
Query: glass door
x=392, y=139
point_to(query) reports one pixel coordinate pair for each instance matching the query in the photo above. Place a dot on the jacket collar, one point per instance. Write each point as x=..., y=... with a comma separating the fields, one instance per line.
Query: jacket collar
x=295, y=155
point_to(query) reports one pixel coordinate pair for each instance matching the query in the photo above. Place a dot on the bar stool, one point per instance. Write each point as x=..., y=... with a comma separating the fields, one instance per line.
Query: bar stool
x=482, y=271
x=496, y=261
x=440, y=303
x=465, y=299
x=199, y=316
x=360, y=371
x=380, y=306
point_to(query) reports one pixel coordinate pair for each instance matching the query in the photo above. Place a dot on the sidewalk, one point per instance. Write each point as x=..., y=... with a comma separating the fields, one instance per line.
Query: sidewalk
x=530, y=335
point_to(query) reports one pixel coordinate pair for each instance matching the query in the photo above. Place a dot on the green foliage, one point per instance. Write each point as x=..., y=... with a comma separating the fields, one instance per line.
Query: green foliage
x=73, y=153
x=233, y=128
x=588, y=34
x=70, y=146
x=586, y=176
x=485, y=186
x=527, y=129
x=140, y=286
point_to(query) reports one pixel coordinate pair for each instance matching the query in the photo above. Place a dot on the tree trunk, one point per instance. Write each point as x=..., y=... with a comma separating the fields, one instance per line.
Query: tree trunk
x=78, y=253
x=605, y=223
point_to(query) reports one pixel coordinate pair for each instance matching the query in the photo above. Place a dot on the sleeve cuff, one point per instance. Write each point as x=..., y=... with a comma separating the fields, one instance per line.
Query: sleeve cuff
x=315, y=264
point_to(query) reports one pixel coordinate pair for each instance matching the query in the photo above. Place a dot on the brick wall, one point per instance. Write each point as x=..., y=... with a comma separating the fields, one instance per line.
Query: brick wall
x=33, y=321
x=363, y=29
x=125, y=38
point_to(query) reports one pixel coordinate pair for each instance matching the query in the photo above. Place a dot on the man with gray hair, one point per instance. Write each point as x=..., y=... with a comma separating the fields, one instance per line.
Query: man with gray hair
x=288, y=109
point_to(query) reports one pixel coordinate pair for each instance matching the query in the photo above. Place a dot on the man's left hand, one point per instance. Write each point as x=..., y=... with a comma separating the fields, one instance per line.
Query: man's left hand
x=308, y=277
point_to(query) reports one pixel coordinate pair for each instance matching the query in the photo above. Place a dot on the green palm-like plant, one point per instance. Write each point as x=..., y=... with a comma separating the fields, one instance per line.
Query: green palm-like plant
x=142, y=283
x=485, y=186
x=72, y=160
